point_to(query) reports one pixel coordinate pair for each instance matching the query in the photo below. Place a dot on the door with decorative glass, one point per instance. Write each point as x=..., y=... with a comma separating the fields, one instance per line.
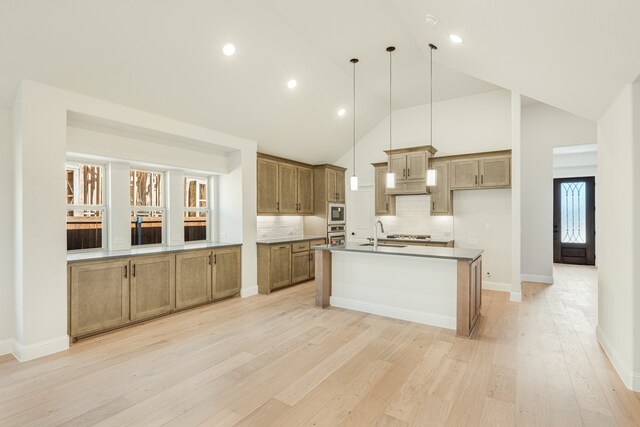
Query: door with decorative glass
x=574, y=233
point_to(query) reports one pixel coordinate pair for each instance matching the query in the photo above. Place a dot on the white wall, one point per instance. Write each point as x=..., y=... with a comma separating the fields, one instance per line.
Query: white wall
x=469, y=124
x=40, y=117
x=543, y=128
x=6, y=231
x=618, y=235
x=575, y=165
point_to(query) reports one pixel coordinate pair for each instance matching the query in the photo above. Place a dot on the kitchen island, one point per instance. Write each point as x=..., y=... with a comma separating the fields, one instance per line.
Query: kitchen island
x=432, y=285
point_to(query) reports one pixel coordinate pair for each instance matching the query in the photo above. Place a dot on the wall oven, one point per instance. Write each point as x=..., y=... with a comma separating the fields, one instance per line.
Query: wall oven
x=336, y=235
x=336, y=214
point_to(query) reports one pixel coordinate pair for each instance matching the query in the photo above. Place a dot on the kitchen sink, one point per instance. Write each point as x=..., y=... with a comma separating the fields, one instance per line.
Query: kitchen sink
x=381, y=245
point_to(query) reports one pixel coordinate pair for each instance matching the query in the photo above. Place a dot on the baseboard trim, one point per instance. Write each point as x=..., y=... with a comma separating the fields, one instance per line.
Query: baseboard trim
x=515, y=296
x=24, y=353
x=247, y=292
x=630, y=379
x=496, y=286
x=448, y=322
x=536, y=278
x=7, y=346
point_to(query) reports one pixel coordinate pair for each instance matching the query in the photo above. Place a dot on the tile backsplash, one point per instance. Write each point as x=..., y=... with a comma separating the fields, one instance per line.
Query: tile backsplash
x=275, y=227
x=413, y=217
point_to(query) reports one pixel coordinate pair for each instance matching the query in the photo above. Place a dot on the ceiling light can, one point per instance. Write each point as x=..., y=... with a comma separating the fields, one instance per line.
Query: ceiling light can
x=229, y=49
x=291, y=84
x=455, y=38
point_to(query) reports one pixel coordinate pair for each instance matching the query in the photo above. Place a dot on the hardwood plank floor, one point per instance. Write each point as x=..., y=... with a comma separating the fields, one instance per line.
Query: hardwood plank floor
x=277, y=360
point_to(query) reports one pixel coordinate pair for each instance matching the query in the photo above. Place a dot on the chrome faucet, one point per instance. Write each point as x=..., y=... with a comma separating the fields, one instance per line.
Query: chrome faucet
x=375, y=239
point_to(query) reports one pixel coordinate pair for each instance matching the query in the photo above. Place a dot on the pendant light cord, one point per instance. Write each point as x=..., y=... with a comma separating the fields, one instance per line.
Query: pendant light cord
x=390, y=99
x=354, y=61
x=431, y=97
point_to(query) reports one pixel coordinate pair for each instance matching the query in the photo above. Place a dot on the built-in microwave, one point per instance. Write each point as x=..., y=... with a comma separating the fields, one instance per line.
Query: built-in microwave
x=336, y=214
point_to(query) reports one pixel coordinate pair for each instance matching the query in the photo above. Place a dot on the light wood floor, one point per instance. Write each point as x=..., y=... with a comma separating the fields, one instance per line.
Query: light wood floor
x=276, y=360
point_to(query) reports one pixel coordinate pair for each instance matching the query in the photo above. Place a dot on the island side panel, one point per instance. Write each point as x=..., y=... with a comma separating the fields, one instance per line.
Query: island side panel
x=323, y=278
x=469, y=296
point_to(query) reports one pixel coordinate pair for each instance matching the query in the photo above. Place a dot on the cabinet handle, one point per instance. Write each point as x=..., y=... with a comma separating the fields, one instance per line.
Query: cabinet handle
x=408, y=172
x=215, y=259
x=210, y=259
x=386, y=206
x=282, y=247
x=481, y=179
x=476, y=179
x=126, y=267
x=277, y=206
x=133, y=271
x=433, y=204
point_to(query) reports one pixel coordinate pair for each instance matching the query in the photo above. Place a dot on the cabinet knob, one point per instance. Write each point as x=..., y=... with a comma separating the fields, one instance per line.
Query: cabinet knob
x=133, y=271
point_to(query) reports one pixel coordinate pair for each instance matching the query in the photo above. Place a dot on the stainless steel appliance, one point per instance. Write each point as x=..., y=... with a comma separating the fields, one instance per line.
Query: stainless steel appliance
x=409, y=236
x=336, y=214
x=337, y=235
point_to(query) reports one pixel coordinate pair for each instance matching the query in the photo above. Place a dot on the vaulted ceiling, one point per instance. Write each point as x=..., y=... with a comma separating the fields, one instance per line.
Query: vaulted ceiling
x=165, y=57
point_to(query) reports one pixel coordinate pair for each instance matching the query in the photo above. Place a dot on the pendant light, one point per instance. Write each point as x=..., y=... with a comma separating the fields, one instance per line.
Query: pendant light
x=391, y=177
x=432, y=174
x=354, y=177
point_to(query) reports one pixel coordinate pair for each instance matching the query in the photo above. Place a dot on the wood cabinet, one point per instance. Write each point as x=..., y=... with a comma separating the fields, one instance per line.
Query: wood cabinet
x=284, y=264
x=152, y=286
x=441, y=196
x=384, y=203
x=193, y=278
x=226, y=273
x=410, y=168
x=335, y=185
x=480, y=172
x=267, y=186
x=280, y=266
x=105, y=295
x=469, y=296
x=98, y=296
x=284, y=187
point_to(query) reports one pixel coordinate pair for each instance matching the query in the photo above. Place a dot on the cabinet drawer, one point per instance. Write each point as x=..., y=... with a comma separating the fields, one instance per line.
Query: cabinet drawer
x=300, y=246
x=318, y=242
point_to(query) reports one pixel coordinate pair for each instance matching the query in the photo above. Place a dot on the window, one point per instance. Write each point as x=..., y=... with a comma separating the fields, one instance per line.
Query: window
x=196, y=209
x=147, y=207
x=85, y=209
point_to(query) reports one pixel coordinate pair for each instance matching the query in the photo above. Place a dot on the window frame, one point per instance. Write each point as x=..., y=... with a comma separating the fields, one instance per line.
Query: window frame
x=208, y=210
x=103, y=208
x=163, y=203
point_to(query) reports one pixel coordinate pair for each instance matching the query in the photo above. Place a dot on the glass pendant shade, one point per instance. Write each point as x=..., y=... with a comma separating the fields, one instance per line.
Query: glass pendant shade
x=354, y=183
x=432, y=178
x=391, y=180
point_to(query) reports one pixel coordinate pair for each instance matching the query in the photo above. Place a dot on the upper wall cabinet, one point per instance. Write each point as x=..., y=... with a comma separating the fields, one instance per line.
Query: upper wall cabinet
x=441, y=197
x=329, y=187
x=385, y=204
x=480, y=171
x=284, y=187
x=410, y=168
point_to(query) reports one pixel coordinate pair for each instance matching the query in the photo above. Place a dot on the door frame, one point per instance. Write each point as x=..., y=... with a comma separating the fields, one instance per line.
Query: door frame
x=590, y=211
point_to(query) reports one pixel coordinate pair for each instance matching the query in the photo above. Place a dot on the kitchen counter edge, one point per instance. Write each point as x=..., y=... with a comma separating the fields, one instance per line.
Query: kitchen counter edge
x=289, y=240
x=135, y=252
x=415, y=251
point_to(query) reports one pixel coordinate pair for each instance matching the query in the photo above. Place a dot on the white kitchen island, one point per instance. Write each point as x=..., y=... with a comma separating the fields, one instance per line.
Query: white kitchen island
x=431, y=285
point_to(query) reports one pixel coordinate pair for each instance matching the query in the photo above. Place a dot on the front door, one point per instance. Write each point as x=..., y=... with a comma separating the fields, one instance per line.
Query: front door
x=574, y=232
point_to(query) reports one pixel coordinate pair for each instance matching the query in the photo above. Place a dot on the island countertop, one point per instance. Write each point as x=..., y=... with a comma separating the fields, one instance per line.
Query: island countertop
x=415, y=251
x=279, y=240
x=138, y=251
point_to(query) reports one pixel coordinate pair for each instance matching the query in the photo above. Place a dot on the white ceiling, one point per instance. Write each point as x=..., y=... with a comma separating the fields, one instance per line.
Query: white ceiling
x=165, y=57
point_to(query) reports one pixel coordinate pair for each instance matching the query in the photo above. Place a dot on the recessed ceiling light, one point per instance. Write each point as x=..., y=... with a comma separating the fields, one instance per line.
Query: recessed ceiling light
x=455, y=38
x=342, y=112
x=291, y=84
x=229, y=49
x=431, y=20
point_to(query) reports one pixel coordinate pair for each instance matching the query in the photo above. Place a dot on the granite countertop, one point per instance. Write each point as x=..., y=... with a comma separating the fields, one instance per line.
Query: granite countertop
x=415, y=240
x=152, y=250
x=288, y=240
x=415, y=251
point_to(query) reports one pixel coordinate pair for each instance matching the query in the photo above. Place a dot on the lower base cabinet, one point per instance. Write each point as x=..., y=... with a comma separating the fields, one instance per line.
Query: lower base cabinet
x=105, y=295
x=284, y=264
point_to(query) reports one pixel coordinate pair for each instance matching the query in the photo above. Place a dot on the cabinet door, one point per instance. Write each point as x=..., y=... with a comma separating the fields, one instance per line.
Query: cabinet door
x=332, y=191
x=280, y=261
x=417, y=166
x=267, y=174
x=398, y=165
x=287, y=189
x=495, y=172
x=305, y=191
x=193, y=278
x=299, y=267
x=441, y=194
x=340, y=186
x=99, y=296
x=226, y=272
x=152, y=286
x=385, y=205
x=464, y=174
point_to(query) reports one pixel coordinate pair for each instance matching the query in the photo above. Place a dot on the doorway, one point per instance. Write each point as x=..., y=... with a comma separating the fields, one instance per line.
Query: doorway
x=574, y=231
